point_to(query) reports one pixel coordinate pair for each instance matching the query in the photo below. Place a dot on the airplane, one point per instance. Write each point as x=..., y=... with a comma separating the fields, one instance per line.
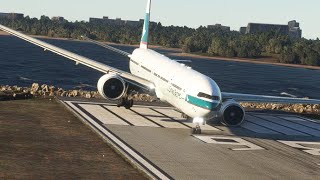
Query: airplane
x=196, y=95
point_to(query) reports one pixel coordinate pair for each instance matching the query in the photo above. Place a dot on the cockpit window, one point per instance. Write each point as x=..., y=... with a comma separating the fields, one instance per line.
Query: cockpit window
x=204, y=95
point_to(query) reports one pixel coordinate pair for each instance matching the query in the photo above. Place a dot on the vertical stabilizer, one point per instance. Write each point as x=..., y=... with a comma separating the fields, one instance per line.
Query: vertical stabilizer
x=145, y=32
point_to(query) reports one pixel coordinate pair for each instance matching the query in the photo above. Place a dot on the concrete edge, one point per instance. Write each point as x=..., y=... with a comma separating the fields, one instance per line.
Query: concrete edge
x=110, y=143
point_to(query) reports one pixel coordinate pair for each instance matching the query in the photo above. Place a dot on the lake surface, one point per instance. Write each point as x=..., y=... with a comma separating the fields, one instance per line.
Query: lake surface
x=22, y=64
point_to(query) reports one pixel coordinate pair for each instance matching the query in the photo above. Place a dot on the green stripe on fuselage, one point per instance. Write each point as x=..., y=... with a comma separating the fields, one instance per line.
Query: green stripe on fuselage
x=201, y=103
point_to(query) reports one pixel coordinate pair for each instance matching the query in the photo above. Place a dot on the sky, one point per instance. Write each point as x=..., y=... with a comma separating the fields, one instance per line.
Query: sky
x=191, y=13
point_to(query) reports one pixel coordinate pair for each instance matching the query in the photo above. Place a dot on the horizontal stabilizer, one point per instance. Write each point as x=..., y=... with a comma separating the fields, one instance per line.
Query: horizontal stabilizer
x=183, y=61
x=106, y=46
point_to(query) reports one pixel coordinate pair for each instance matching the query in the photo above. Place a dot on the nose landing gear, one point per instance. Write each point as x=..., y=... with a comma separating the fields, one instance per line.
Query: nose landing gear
x=198, y=121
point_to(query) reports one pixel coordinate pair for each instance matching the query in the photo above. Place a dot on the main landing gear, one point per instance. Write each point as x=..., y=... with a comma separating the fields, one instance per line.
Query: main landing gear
x=185, y=116
x=196, y=130
x=125, y=102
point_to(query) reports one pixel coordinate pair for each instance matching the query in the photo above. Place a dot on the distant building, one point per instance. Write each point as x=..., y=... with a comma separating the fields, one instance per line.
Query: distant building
x=58, y=18
x=254, y=28
x=219, y=26
x=243, y=30
x=292, y=29
x=12, y=16
x=3, y=15
x=117, y=21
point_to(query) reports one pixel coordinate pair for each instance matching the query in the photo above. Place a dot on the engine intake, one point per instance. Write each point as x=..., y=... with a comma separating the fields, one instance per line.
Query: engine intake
x=232, y=113
x=111, y=86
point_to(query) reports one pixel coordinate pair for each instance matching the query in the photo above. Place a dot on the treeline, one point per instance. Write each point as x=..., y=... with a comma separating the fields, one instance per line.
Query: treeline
x=233, y=44
x=171, y=36
x=208, y=41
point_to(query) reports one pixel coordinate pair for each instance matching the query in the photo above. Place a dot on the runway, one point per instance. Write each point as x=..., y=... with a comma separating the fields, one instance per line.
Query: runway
x=160, y=143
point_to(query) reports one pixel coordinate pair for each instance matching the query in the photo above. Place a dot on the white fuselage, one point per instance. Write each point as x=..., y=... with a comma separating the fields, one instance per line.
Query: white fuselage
x=195, y=94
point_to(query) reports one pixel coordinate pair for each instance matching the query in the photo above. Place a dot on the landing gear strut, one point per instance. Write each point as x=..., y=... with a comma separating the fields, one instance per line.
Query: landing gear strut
x=125, y=102
x=196, y=130
x=197, y=121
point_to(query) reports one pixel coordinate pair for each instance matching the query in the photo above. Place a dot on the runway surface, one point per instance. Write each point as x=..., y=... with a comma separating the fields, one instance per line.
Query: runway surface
x=160, y=143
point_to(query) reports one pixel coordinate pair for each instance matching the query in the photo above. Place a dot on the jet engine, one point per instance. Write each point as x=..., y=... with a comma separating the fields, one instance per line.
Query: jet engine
x=111, y=87
x=232, y=113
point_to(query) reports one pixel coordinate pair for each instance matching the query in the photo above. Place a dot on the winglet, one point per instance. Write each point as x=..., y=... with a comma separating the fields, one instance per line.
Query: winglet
x=145, y=33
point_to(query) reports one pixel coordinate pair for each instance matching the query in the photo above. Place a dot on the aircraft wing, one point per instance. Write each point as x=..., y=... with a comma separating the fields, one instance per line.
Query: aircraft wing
x=182, y=61
x=130, y=78
x=107, y=46
x=267, y=99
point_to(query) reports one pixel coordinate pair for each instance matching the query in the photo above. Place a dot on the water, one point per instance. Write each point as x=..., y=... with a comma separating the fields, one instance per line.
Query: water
x=22, y=64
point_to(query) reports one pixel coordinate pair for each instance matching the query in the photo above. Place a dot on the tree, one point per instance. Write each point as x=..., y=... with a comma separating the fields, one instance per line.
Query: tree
x=276, y=44
x=188, y=46
x=312, y=58
x=221, y=47
x=288, y=56
x=210, y=41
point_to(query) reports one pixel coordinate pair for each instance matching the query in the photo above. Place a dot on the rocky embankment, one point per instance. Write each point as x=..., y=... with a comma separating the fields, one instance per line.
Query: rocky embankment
x=37, y=90
x=297, y=108
x=44, y=91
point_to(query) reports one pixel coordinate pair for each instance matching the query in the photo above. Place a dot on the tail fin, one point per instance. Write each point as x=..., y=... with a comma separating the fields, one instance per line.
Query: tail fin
x=145, y=33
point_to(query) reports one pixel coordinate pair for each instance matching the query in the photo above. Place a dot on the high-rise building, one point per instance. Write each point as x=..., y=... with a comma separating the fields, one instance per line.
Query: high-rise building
x=117, y=21
x=243, y=30
x=219, y=26
x=292, y=29
x=12, y=16
x=58, y=18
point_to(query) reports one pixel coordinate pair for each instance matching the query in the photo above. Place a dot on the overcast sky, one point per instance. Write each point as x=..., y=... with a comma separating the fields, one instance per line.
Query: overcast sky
x=192, y=13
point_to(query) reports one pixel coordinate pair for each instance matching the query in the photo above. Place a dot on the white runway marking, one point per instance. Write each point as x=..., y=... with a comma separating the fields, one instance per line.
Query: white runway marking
x=103, y=115
x=177, y=116
x=131, y=117
x=275, y=127
x=309, y=123
x=100, y=115
x=166, y=117
x=229, y=141
x=147, y=116
x=158, y=118
x=298, y=127
x=258, y=129
x=304, y=146
x=139, y=159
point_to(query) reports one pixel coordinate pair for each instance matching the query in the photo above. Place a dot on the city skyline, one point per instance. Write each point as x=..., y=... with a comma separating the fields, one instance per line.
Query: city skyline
x=230, y=12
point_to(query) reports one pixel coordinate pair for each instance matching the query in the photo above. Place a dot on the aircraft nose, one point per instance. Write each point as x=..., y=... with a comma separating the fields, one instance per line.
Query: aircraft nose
x=206, y=112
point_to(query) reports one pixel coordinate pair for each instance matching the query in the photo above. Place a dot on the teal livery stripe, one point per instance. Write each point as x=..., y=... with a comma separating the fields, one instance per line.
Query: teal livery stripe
x=201, y=103
x=145, y=35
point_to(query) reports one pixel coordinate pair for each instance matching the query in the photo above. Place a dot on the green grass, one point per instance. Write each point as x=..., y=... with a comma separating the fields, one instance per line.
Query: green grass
x=41, y=138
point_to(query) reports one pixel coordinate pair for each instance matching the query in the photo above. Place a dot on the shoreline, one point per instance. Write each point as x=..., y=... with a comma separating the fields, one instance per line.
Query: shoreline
x=2, y=33
x=8, y=93
x=179, y=53
x=263, y=60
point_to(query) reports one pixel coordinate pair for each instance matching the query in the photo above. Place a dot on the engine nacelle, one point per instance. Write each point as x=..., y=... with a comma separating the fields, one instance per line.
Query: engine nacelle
x=111, y=87
x=232, y=113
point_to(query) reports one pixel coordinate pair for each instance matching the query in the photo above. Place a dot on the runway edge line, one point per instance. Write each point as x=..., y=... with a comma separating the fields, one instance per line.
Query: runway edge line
x=127, y=151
